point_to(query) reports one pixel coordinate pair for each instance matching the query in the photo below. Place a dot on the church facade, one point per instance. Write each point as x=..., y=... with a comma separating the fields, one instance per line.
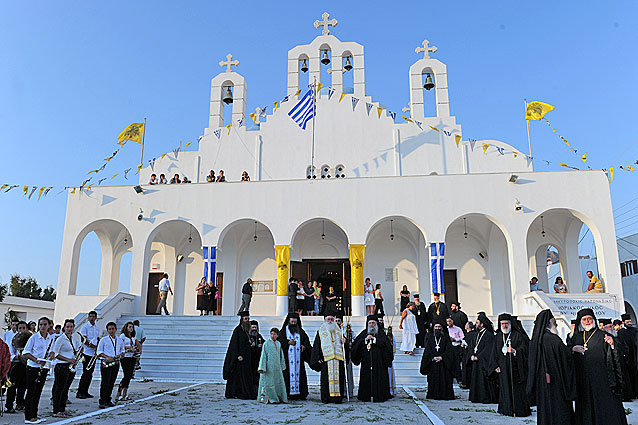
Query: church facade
x=358, y=193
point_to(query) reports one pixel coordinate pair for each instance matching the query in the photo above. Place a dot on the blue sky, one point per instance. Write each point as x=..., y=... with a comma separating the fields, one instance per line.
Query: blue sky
x=75, y=73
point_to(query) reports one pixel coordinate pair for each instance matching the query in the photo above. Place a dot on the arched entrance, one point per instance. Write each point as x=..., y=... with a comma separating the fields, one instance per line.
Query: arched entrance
x=319, y=251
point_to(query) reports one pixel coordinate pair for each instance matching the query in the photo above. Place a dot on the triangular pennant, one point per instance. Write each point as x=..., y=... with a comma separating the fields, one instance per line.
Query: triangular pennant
x=228, y=127
x=393, y=115
x=457, y=138
x=485, y=146
x=297, y=92
x=319, y=86
x=447, y=133
x=472, y=143
x=186, y=145
x=152, y=163
x=331, y=91
x=11, y=187
x=93, y=171
x=515, y=154
x=379, y=111
x=341, y=97
x=25, y=190
x=407, y=119
x=565, y=140
x=584, y=157
x=73, y=189
x=262, y=111
x=88, y=187
x=435, y=129
x=285, y=99
x=500, y=150
x=369, y=107
x=240, y=121
x=253, y=116
x=629, y=167
x=139, y=167
x=99, y=182
x=3, y=186
x=32, y=190
x=418, y=123
x=115, y=175
x=276, y=104
x=40, y=192
x=355, y=101
x=47, y=191
x=175, y=152
x=126, y=172
x=217, y=133
x=611, y=174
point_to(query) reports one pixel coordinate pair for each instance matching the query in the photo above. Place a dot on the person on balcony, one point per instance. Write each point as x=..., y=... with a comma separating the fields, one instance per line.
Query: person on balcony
x=595, y=284
x=559, y=286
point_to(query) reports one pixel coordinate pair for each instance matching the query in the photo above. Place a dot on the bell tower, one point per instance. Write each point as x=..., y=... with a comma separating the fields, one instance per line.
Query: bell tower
x=435, y=74
x=228, y=87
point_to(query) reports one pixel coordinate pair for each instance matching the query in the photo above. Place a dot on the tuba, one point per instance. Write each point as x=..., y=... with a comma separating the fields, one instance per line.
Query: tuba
x=18, y=342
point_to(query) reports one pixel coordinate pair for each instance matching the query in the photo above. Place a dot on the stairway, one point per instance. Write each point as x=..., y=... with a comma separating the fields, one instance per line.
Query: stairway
x=192, y=348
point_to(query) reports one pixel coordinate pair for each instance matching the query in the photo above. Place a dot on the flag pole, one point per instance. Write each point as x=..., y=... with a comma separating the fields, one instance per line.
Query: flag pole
x=529, y=139
x=143, y=134
x=314, y=112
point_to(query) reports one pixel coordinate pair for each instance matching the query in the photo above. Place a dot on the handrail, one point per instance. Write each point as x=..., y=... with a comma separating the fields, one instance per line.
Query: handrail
x=543, y=302
x=110, y=310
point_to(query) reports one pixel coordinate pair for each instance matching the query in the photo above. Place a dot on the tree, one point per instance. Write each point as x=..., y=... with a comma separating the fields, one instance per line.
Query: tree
x=48, y=294
x=3, y=292
x=25, y=287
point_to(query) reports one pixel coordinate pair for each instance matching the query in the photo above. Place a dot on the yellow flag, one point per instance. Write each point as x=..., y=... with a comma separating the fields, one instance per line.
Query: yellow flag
x=611, y=174
x=3, y=186
x=341, y=97
x=25, y=189
x=186, y=145
x=133, y=132
x=319, y=86
x=297, y=93
x=379, y=111
x=435, y=129
x=114, y=175
x=564, y=165
x=40, y=192
x=276, y=106
x=406, y=118
x=252, y=115
x=88, y=187
x=584, y=157
x=565, y=140
x=485, y=146
x=162, y=156
x=228, y=127
x=515, y=154
x=93, y=171
x=629, y=167
x=73, y=189
x=139, y=167
x=108, y=159
x=537, y=110
x=457, y=137
x=554, y=130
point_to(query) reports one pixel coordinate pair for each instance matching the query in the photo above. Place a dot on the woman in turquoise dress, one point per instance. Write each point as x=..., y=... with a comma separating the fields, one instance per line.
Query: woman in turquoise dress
x=272, y=387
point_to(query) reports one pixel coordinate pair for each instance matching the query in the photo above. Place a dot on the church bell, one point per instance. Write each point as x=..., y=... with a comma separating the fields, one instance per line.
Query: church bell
x=429, y=84
x=325, y=59
x=228, y=97
x=304, y=66
x=348, y=65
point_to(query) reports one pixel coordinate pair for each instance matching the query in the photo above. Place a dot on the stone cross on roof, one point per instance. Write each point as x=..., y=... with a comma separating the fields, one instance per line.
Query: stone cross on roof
x=229, y=62
x=426, y=49
x=326, y=23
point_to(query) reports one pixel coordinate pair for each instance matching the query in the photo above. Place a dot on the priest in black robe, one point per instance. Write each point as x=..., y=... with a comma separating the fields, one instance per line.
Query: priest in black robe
x=438, y=310
x=422, y=321
x=438, y=364
x=550, y=378
x=458, y=317
x=509, y=360
x=296, y=347
x=598, y=374
x=483, y=383
x=256, y=343
x=238, y=365
x=628, y=337
x=373, y=351
x=470, y=338
x=328, y=358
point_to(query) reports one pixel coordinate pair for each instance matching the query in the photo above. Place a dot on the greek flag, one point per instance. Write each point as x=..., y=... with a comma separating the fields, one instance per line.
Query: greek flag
x=437, y=258
x=305, y=110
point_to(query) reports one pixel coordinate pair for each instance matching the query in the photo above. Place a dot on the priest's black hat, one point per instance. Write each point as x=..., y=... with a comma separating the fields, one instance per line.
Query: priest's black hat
x=254, y=322
x=605, y=321
x=487, y=323
x=243, y=313
x=625, y=316
x=329, y=313
x=504, y=316
x=617, y=322
x=416, y=296
x=585, y=312
x=372, y=317
x=436, y=294
x=293, y=315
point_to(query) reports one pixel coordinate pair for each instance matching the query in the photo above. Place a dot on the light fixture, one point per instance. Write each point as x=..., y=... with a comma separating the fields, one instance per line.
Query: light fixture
x=304, y=66
x=180, y=258
x=518, y=206
x=140, y=216
x=391, y=230
x=325, y=59
x=138, y=189
x=190, y=236
x=323, y=229
x=542, y=227
x=348, y=65
x=255, y=236
x=126, y=238
x=513, y=178
x=464, y=228
x=228, y=97
x=429, y=84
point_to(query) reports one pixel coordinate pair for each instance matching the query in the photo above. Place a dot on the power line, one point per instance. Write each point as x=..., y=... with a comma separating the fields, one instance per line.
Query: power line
x=628, y=251
x=626, y=219
x=625, y=204
x=626, y=226
x=625, y=240
x=581, y=239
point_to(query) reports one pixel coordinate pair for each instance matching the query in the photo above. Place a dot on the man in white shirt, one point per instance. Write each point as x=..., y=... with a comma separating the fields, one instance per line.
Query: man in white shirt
x=109, y=350
x=13, y=329
x=141, y=337
x=410, y=329
x=92, y=334
x=164, y=289
x=37, y=352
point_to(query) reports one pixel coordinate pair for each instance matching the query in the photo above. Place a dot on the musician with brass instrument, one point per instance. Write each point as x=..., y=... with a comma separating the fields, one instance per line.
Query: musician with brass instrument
x=38, y=354
x=91, y=333
x=131, y=346
x=109, y=350
x=68, y=351
x=17, y=374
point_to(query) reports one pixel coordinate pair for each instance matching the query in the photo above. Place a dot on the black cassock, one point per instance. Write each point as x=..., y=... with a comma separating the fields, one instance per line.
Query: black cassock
x=374, y=381
x=551, y=380
x=440, y=374
x=629, y=344
x=598, y=381
x=305, y=358
x=256, y=344
x=422, y=323
x=460, y=319
x=466, y=368
x=483, y=386
x=239, y=374
x=438, y=313
x=315, y=358
x=512, y=397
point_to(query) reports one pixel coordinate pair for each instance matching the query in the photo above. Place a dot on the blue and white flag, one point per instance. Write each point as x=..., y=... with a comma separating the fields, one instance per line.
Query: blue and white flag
x=418, y=123
x=437, y=256
x=500, y=150
x=472, y=143
x=152, y=163
x=331, y=91
x=392, y=114
x=354, y=102
x=218, y=132
x=241, y=121
x=285, y=99
x=368, y=107
x=99, y=182
x=176, y=151
x=305, y=109
x=262, y=111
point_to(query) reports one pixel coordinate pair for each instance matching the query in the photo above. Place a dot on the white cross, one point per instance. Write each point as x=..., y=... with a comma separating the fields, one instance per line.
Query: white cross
x=229, y=62
x=426, y=49
x=326, y=23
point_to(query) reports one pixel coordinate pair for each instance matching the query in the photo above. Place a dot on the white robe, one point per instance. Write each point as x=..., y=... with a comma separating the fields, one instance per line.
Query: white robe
x=294, y=361
x=410, y=330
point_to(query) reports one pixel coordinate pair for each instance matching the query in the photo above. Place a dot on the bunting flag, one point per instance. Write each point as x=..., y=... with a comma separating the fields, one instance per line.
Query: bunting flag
x=584, y=157
x=253, y=116
x=379, y=111
x=3, y=186
x=369, y=107
x=115, y=175
x=47, y=190
x=276, y=104
x=407, y=119
x=341, y=97
x=611, y=174
x=435, y=129
x=629, y=167
x=13, y=186
x=25, y=190
x=162, y=156
x=447, y=133
x=485, y=146
x=133, y=132
x=355, y=101
x=88, y=187
x=331, y=91
x=500, y=150
x=99, y=182
x=93, y=171
x=186, y=145
x=537, y=110
x=176, y=150
x=73, y=189
x=297, y=92
x=241, y=121
x=126, y=172
x=152, y=163
x=228, y=127
x=565, y=140
x=418, y=123
x=32, y=190
x=319, y=86
x=515, y=154
x=139, y=167
x=457, y=138
x=262, y=111
x=472, y=143
x=40, y=192
x=393, y=115
x=217, y=133
x=86, y=181
x=285, y=99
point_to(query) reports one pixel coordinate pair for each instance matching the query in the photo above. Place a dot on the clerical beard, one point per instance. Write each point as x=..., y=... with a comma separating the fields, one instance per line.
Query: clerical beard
x=253, y=333
x=294, y=329
x=373, y=330
x=246, y=327
x=505, y=331
x=438, y=332
x=587, y=328
x=553, y=329
x=332, y=327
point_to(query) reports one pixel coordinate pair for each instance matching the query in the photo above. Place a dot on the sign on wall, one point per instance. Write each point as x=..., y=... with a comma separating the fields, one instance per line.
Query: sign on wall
x=263, y=287
x=604, y=307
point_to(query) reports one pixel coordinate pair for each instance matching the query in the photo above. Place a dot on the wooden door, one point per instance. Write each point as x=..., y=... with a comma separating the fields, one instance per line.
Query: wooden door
x=219, y=283
x=299, y=270
x=152, y=293
x=451, y=289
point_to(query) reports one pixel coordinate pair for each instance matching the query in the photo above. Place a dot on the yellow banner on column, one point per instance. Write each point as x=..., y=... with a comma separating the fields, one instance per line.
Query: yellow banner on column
x=357, y=253
x=282, y=254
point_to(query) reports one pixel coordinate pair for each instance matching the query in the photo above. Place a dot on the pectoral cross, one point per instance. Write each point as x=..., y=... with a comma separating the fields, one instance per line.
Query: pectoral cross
x=326, y=23
x=426, y=49
x=229, y=62
x=437, y=347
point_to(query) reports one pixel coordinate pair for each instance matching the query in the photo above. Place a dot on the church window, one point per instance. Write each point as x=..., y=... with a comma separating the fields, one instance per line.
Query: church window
x=309, y=172
x=340, y=171
x=325, y=171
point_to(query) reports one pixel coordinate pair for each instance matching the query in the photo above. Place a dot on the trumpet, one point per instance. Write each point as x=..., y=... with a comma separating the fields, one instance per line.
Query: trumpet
x=117, y=358
x=79, y=355
x=91, y=362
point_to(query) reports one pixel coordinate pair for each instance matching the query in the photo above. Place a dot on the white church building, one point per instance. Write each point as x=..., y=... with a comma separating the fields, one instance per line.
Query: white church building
x=412, y=203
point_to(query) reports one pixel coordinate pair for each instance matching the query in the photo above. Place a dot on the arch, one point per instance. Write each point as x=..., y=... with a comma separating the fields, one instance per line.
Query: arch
x=631, y=312
x=241, y=256
x=477, y=248
x=334, y=244
x=396, y=248
x=562, y=228
x=175, y=247
x=111, y=234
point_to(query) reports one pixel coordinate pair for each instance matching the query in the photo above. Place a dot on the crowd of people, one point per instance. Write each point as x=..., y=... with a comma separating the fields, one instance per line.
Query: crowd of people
x=560, y=287
x=210, y=178
x=310, y=299
x=27, y=357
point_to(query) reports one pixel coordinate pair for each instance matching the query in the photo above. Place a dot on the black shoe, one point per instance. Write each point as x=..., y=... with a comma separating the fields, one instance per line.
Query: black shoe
x=82, y=396
x=88, y=395
x=110, y=404
x=103, y=406
x=11, y=410
x=19, y=407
